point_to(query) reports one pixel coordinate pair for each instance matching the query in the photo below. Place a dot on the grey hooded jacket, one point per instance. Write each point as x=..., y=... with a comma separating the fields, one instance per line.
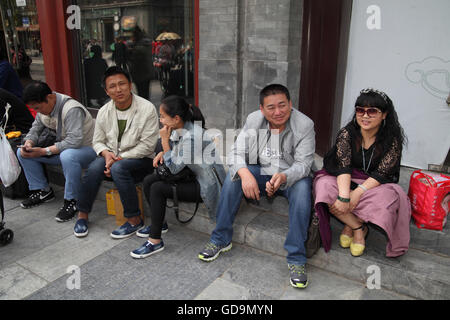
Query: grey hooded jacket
x=196, y=150
x=297, y=146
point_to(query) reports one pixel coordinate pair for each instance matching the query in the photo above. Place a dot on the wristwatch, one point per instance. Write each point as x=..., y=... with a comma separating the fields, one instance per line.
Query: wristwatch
x=48, y=152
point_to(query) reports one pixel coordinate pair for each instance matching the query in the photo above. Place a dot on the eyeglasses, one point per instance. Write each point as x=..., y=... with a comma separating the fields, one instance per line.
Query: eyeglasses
x=371, y=112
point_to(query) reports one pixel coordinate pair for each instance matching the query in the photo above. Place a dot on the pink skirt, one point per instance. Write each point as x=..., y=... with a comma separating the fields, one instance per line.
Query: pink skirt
x=387, y=206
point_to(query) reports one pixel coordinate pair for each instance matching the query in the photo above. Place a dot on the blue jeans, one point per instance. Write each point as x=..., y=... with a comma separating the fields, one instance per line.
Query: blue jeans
x=299, y=197
x=72, y=162
x=125, y=174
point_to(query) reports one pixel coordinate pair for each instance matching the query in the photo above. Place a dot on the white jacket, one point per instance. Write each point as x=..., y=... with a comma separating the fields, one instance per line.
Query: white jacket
x=140, y=135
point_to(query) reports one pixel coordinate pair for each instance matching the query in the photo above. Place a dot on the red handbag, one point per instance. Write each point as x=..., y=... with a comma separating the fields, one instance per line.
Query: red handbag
x=429, y=194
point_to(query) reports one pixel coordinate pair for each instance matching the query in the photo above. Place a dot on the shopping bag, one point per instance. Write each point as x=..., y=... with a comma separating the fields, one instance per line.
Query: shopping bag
x=114, y=205
x=9, y=165
x=429, y=194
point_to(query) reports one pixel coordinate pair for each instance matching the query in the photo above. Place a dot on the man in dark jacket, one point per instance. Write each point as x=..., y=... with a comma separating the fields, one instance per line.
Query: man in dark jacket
x=94, y=68
x=141, y=63
x=120, y=54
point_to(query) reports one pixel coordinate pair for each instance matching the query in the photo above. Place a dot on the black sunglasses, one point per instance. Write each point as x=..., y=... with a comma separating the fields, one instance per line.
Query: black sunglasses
x=371, y=111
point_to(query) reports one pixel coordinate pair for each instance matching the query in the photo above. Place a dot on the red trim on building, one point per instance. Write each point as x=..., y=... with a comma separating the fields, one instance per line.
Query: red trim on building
x=56, y=46
x=197, y=46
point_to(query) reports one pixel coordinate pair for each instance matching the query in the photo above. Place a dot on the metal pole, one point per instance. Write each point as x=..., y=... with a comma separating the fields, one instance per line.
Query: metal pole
x=14, y=31
x=4, y=31
x=186, y=43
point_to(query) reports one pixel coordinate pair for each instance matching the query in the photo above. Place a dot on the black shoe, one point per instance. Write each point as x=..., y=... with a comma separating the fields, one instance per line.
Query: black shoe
x=37, y=197
x=68, y=211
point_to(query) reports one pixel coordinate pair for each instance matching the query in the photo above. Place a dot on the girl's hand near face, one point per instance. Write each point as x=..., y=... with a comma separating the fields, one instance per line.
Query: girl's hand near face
x=165, y=132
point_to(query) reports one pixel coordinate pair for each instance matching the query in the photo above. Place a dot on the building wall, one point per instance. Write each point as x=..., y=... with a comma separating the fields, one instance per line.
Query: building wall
x=408, y=58
x=245, y=45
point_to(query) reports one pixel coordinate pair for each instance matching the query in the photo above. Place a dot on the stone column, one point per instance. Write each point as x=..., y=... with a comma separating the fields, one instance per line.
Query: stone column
x=245, y=45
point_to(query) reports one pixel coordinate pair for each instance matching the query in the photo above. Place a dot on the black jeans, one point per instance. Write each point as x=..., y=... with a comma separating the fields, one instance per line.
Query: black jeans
x=157, y=192
x=143, y=89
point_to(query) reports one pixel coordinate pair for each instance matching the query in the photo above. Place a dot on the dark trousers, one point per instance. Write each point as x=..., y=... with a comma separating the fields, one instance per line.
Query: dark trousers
x=125, y=174
x=143, y=89
x=157, y=192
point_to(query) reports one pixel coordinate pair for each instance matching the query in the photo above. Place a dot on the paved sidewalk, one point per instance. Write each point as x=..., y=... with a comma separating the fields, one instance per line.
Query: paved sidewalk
x=35, y=265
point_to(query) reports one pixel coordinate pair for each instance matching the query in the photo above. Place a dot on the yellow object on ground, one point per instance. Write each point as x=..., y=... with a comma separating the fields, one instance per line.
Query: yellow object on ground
x=13, y=134
x=115, y=208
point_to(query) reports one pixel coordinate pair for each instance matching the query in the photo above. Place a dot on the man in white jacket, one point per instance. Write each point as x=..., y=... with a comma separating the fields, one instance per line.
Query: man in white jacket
x=125, y=136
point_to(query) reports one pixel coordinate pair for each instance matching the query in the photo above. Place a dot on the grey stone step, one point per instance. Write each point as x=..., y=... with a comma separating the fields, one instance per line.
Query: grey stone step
x=420, y=273
x=437, y=242
x=432, y=241
x=423, y=272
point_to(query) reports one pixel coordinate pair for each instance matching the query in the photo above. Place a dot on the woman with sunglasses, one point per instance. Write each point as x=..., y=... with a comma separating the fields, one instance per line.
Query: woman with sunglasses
x=358, y=183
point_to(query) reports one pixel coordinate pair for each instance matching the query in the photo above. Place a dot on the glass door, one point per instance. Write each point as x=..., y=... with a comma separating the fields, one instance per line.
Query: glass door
x=20, y=39
x=152, y=40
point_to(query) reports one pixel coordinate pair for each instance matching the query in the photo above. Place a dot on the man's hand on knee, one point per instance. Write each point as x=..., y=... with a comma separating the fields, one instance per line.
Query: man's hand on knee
x=275, y=183
x=249, y=184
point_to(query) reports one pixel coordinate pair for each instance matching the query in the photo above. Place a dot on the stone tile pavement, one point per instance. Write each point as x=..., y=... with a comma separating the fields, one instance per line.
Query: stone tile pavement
x=35, y=265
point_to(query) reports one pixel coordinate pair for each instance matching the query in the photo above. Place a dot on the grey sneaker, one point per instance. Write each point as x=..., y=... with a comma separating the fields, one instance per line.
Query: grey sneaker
x=211, y=251
x=299, y=278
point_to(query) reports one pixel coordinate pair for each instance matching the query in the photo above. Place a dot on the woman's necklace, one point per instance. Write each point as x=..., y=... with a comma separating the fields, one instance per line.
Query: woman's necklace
x=364, y=159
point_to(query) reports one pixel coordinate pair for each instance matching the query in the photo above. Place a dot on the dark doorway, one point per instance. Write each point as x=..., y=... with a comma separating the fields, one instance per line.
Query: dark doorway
x=326, y=25
x=108, y=33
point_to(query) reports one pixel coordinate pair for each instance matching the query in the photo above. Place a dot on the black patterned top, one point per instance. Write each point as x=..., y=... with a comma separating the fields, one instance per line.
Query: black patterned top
x=347, y=154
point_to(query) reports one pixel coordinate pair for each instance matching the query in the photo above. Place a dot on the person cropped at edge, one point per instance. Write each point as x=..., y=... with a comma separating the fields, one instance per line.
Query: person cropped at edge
x=20, y=117
x=272, y=155
x=9, y=80
x=126, y=131
x=72, y=150
x=359, y=180
x=179, y=121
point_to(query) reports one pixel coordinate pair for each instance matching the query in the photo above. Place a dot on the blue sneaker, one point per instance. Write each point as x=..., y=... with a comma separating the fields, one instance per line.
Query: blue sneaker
x=126, y=230
x=147, y=249
x=145, y=233
x=81, y=228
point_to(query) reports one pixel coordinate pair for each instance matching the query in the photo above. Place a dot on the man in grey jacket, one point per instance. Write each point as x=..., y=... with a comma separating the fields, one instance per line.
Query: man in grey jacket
x=74, y=127
x=272, y=155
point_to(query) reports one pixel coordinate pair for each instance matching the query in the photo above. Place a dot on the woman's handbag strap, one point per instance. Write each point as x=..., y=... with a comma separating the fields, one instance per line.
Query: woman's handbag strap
x=175, y=202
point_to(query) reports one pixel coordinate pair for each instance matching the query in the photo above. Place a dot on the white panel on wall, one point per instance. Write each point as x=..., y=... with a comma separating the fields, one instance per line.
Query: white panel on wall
x=402, y=47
